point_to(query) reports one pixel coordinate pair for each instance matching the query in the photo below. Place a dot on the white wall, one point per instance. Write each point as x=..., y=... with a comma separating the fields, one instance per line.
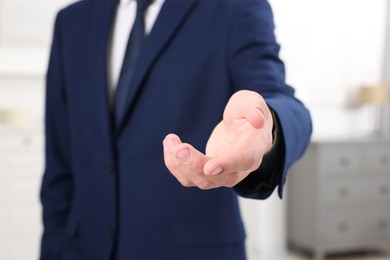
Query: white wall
x=25, y=36
x=27, y=23
x=330, y=48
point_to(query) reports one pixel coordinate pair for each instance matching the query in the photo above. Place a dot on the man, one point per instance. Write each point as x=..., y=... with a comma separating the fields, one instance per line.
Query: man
x=208, y=83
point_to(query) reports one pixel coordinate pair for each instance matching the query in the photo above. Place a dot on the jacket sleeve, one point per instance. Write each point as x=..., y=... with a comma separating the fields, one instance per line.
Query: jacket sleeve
x=57, y=186
x=254, y=64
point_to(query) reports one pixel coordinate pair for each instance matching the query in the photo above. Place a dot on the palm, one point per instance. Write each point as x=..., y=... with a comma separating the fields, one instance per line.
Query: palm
x=237, y=134
x=227, y=136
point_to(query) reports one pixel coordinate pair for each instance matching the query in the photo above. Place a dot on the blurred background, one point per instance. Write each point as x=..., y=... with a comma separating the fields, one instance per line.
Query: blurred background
x=337, y=202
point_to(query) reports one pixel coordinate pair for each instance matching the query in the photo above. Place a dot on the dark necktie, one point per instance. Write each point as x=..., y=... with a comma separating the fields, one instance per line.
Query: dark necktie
x=136, y=38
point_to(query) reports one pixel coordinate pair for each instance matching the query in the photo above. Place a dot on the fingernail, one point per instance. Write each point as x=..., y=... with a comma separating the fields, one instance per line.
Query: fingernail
x=217, y=170
x=184, y=155
x=169, y=144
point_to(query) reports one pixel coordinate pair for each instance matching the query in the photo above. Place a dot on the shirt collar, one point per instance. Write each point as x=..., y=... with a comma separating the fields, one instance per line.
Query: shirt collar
x=124, y=2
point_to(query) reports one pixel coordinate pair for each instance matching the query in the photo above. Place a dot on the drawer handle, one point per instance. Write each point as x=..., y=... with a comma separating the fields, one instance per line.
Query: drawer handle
x=383, y=224
x=344, y=192
x=344, y=162
x=27, y=141
x=384, y=160
x=384, y=190
x=343, y=227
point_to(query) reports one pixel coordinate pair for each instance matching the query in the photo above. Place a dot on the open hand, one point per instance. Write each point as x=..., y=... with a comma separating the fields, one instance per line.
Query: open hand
x=235, y=148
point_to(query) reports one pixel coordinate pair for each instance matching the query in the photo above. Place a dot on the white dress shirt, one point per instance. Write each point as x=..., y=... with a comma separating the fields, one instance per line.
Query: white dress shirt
x=124, y=20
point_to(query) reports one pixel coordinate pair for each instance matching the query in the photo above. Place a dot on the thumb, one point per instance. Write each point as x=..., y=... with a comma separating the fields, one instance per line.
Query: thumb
x=233, y=161
x=248, y=105
x=180, y=155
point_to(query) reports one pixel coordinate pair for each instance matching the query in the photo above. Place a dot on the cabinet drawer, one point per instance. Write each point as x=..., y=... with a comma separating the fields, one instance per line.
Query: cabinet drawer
x=19, y=187
x=20, y=220
x=358, y=190
x=338, y=160
x=377, y=160
x=14, y=163
x=20, y=141
x=363, y=224
x=24, y=247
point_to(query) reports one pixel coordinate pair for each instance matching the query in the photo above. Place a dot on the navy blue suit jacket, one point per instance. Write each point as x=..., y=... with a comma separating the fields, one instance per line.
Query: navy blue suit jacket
x=107, y=189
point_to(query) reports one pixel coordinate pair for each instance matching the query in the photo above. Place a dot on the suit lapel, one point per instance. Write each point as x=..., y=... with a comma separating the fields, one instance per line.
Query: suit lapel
x=102, y=19
x=172, y=14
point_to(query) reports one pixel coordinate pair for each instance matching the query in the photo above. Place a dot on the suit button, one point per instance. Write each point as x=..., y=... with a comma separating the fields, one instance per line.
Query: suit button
x=110, y=234
x=110, y=169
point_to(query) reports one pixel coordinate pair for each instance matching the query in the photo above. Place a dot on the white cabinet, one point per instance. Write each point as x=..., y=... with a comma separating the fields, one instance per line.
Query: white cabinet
x=338, y=198
x=21, y=169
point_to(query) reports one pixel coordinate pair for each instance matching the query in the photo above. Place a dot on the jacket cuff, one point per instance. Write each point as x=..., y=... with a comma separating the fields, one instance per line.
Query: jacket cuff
x=262, y=182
